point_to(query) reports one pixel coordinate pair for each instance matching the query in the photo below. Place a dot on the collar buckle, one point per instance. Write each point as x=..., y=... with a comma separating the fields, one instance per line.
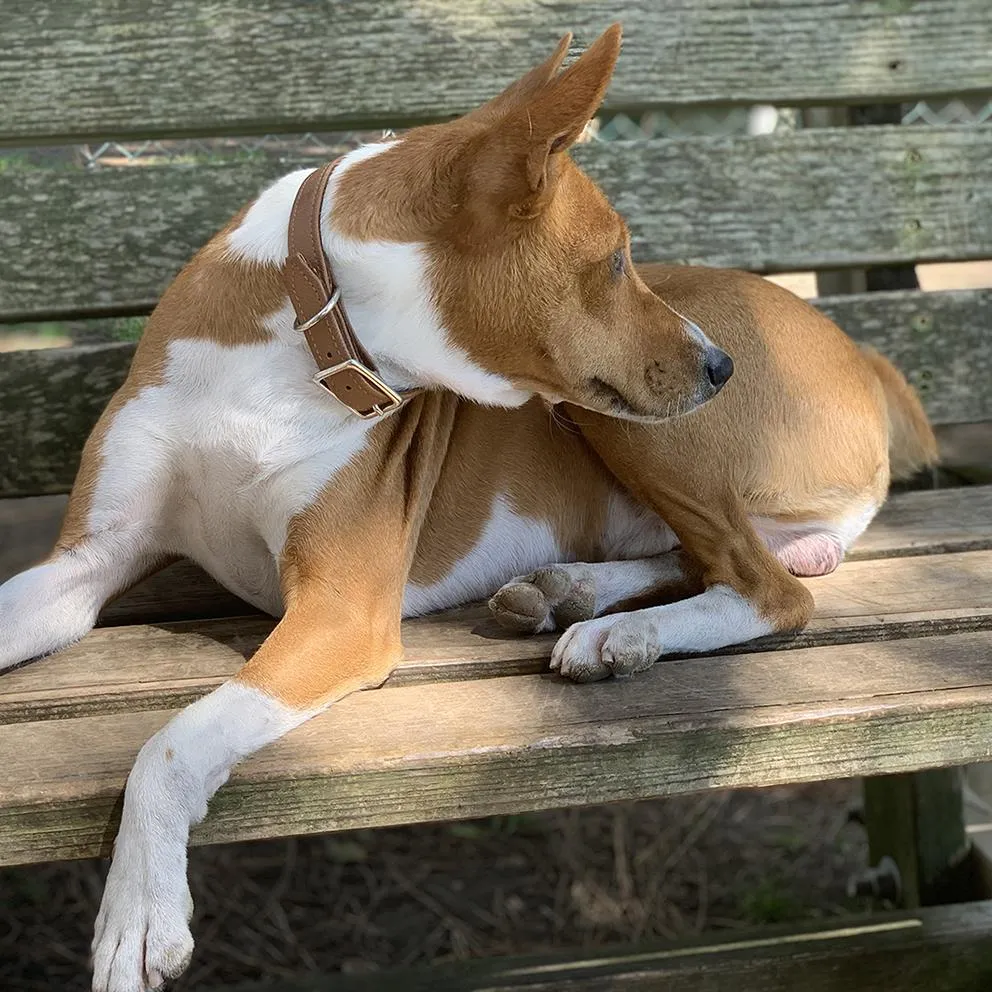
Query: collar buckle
x=392, y=400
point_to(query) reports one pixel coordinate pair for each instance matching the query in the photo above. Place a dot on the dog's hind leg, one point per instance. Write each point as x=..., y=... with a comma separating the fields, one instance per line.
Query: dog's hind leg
x=108, y=542
x=555, y=597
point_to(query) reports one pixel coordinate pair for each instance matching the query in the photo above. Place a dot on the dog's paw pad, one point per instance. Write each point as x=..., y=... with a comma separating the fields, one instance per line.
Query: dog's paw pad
x=521, y=607
x=550, y=598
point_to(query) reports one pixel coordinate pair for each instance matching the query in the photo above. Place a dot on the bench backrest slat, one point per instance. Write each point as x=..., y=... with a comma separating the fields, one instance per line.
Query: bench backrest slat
x=50, y=399
x=103, y=69
x=110, y=240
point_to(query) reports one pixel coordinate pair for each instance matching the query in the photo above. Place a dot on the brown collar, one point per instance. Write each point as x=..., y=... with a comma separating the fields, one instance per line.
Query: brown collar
x=346, y=370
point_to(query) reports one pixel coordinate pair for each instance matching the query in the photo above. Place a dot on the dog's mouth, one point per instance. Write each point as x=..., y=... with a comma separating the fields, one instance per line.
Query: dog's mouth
x=610, y=400
x=616, y=403
x=604, y=398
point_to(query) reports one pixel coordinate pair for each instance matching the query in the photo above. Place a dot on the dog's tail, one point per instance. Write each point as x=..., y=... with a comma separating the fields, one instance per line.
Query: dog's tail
x=912, y=445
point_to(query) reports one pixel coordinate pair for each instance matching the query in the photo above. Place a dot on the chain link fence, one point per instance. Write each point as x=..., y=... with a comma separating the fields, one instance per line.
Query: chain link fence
x=658, y=123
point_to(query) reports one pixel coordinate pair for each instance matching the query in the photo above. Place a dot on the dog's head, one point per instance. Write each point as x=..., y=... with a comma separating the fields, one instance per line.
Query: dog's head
x=527, y=263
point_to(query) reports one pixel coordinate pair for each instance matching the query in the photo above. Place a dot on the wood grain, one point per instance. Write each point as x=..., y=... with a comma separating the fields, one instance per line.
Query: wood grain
x=940, y=341
x=49, y=401
x=929, y=522
x=101, y=69
x=449, y=750
x=79, y=241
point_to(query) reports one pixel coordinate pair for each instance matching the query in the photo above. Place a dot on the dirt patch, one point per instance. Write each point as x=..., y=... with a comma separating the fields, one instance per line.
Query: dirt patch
x=369, y=900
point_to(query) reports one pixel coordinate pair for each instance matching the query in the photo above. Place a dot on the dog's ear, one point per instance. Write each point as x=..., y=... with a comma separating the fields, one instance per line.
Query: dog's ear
x=525, y=88
x=537, y=119
x=561, y=110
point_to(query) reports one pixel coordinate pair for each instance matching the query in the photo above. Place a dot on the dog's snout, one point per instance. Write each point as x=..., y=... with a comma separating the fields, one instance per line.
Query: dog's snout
x=719, y=367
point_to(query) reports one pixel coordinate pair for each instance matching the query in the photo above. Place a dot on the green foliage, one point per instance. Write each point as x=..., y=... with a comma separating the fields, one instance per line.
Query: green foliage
x=127, y=328
x=770, y=902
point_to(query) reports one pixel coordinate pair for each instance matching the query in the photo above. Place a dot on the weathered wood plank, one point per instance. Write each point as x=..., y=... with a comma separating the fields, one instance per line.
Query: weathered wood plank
x=940, y=341
x=119, y=669
x=49, y=400
x=929, y=522
x=917, y=820
x=77, y=241
x=95, y=70
x=706, y=200
x=448, y=750
x=936, y=950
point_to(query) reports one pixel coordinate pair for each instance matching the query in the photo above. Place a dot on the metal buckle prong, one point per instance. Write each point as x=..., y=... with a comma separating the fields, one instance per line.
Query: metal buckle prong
x=393, y=398
x=321, y=313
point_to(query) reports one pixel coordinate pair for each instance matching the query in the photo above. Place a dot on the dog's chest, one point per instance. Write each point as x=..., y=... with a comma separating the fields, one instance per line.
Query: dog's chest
x=256, y=443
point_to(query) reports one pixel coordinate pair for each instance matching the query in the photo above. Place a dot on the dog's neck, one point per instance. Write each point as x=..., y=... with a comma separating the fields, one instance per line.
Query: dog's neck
x=386, y=288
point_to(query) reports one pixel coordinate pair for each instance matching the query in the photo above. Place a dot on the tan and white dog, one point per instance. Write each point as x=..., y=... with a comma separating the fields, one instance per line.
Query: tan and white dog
x=481, y=266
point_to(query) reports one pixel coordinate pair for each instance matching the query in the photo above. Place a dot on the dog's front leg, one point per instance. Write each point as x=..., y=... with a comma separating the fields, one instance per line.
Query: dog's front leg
x=747, y=594
x=747, y=591
x=321, y=650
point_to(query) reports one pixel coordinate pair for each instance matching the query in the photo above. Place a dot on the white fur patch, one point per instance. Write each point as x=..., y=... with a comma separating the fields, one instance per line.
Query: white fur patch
x=616, y=581
x=634, y=531
x=142, y=934
x=52, y=605
x=509, y=544
x=219, y=458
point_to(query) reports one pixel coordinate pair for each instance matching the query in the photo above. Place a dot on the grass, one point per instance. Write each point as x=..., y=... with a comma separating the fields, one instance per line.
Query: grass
x=58, y=334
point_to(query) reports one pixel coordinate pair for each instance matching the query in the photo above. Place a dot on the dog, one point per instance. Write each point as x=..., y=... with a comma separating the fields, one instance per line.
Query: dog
x=489, y=287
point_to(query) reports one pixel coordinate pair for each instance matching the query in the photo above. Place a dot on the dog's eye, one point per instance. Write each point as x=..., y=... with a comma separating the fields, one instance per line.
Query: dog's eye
x=618, y=261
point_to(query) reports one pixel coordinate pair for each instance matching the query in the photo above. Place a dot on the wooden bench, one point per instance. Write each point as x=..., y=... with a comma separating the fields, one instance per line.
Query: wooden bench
x=893, y=676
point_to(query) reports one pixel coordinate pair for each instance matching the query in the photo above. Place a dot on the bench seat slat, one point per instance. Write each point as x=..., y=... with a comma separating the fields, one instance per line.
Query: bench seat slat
x=863, y=693
x=947, y=949
x=169, y=665
x=450, y=750
x=692, y=199
x=238, y=67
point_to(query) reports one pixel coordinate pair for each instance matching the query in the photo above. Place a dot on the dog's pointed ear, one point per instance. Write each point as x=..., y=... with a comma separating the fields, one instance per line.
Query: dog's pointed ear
x=539, y=118
x=526, y=87
x=560, y=112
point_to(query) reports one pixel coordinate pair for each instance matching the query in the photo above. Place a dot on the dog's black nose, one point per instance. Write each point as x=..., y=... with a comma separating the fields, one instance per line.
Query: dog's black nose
x=719, y=367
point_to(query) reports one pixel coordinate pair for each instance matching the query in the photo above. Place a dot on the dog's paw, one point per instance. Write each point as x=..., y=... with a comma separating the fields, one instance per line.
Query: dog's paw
x=612, y=645
x=142, y=935
x=551, y=598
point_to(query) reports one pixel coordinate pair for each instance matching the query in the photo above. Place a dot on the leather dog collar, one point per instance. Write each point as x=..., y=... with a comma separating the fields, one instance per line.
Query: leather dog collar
x=345, y=368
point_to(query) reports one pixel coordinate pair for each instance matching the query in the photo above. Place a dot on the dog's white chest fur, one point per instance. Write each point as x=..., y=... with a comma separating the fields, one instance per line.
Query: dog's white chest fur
x=244, y=441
